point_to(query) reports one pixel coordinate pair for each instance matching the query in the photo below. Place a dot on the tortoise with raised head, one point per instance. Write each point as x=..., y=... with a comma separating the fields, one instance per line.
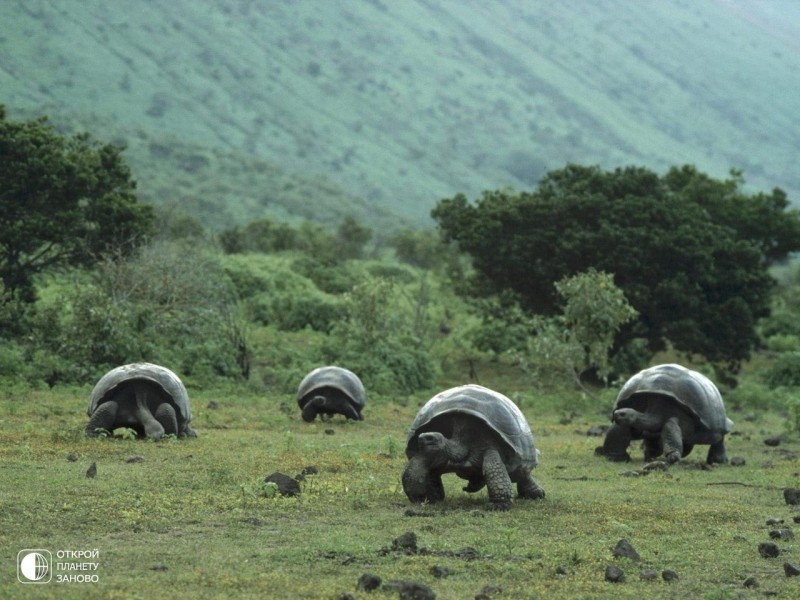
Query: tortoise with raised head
x=148, y=398
x=671, y=408
x=478, y=434
x=329, y=391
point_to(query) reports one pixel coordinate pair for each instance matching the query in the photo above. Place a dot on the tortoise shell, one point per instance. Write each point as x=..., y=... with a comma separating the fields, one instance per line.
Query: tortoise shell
x=499, y=414
x=338, y=378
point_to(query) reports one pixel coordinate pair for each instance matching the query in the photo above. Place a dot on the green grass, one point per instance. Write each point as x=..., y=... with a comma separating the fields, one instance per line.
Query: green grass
x=191, y=519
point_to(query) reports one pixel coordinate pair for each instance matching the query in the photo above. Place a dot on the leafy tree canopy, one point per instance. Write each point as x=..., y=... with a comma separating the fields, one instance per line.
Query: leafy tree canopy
x=689, y=252
x=63, y=201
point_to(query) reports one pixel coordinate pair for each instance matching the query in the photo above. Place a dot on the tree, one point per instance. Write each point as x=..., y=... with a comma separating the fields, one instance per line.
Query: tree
x=64, y=201
x=690, y=253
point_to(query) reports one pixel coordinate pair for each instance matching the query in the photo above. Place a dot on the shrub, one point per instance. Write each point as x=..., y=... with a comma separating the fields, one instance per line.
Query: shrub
x=785, y=372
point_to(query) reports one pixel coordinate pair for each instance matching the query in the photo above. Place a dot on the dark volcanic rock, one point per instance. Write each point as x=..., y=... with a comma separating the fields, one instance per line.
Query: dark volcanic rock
x=624, y=549
x=774, y=521
x=411, y=590
x=440, y=572
x=656, y=465
x=738, y=461
x=406, y=542
x=72, y=457
x=368, y=582
x=774, y=440
x=791, y=570
x=488, y=591
x=287, y=486
x=791, y=495
x=669, y=575
x=597, y=430
x=781, y=534
x=347, y=596
x=614, y=574
x=750, y=582
x=768, y=549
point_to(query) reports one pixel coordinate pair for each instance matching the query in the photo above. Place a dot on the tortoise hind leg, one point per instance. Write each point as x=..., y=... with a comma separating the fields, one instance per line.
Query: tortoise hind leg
x=717, y=454
x=102, y=418
x=165, y=414
x=497, y=480
x=474, y=485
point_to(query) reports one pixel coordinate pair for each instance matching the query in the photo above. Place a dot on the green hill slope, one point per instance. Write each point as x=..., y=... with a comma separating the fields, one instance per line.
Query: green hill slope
x=389, y=106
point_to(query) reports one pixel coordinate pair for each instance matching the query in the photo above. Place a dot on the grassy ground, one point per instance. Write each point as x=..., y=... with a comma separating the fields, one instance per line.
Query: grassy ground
x=192, y=517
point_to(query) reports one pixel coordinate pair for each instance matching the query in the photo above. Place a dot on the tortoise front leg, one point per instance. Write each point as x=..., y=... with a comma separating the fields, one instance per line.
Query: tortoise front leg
x=717, y=454
x=102, y=418
x=652, y=448
x=672, y=440
x=527, y=487
x=497, y=480
x=615, y=445
x=312, y=407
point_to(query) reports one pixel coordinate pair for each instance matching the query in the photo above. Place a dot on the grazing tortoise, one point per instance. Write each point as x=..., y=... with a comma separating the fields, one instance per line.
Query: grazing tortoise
x=329, y=391
x=478, y=434
x=147, y=398
x=671, y=408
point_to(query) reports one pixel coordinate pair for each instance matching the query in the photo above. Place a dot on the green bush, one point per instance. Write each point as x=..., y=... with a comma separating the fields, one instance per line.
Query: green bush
x=785, y=372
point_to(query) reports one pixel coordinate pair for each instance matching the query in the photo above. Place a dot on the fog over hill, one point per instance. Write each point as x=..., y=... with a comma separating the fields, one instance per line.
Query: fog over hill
x=236, y=109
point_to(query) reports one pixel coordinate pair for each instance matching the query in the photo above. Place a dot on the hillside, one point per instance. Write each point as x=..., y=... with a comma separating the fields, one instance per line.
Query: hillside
x=233, y=109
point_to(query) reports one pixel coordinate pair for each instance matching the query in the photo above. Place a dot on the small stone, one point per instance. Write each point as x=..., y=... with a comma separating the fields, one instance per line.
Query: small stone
x=212, y=405
x=597, y=430
x=614, y=574
x=781, y=534
x=791, y=495
x=329, y=432
x=629, y=473
x=91, y=472
x=440, y=572
x=791, y=570
x=774, y=521
x=347, y=596
x=135, y=458
x=750, y=582
x=768, y=549
x=72, y=457
x=648, y=575
x=773, y=441
x=623, y=549
x=159, y=567
x=287, y=486
x=254, y=521
x=406, y=542
x=669, y=575
x=561, y=570
x=411, y=590
x=368, y=582
x=738, y=461
x=489, y=590
x=310, y=470
x=796, y=518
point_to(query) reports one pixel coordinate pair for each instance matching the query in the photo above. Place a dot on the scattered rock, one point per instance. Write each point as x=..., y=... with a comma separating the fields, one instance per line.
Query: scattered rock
x=597, y=430
x=562, y=570
x=72, y=457
x=614, y=574
x=406, y=542
x=135, y=458
x=791, y=495
x=623, y=549
x=488, y=591
x=768, y=549
x=347, y=596
x=737, y=461
x=254, y=521
x=656, y=465
x=440, y=572
x=91, y=472
x=669, y=575
x=648, y=575
x=368, y=582
x=159, y=567
x=774, y=521
x=329, y=432
x=467, y=553
x=629, y=473
x=412, y=512
x=791, y=570
x=311, y=470
x=796, y=518
x=212, y=405
x=783, y=533
x=774, y=440
x=750, y=582
x=287, y=486
x=411, y=590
